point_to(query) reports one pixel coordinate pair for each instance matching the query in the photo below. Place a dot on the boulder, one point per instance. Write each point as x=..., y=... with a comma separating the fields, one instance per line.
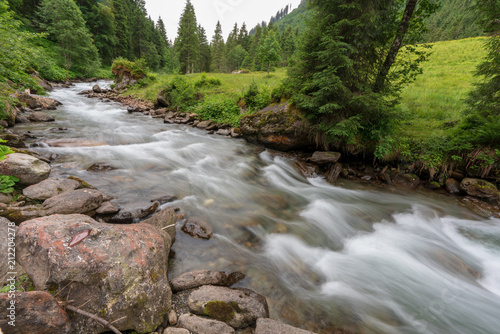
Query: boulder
x=236, y=307
x=194, y=279
x=197, y=228
x=35, y=312
x=20, y=213
x=223, y=132
x=50, y=187
x=236, y=133
x=199, y=325
x=480, y=188
x=75, y=201
x=96, y=89
x=133, y=212
x=124, y=77
x=40, y=117
x=12, y=140
x=34, y=101
x=27, y=168
x=173, y=330
x=452, y=186
x=411, y=181
x=115, y=271
x=325, y=158
x=204, y=124
x=164, y=220
x=276, y=127
x=161, y=100
x=98, y=168
x=107, y=208
x=268, y=326
x=481, y=208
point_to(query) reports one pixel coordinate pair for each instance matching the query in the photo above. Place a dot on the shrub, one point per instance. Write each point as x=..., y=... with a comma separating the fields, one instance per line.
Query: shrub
x=206, y=81
x=256, y=98
x=180, y=93
x=221, y=108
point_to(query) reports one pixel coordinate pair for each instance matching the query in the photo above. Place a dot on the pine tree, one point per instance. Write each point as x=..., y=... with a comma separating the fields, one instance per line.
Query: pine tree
x=204, y=59
x=482, y=124
x=288, y=45
x=244, y=38
x=218, y=50
x=187, y=42
x=160, y=26
x=231, y=43
x=122, y=12
x=63, y=21
x=343, y=52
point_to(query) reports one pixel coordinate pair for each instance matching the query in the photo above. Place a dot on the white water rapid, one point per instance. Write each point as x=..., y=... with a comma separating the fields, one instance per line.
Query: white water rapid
x=371, y=260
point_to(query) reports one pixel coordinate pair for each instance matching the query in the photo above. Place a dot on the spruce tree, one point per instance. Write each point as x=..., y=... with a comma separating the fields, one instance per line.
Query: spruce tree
x=244, y=38
x=218, y=50
x=204, y=58
x=187, y=42
x=63, y=21
x=160, y=26
x=122, y=12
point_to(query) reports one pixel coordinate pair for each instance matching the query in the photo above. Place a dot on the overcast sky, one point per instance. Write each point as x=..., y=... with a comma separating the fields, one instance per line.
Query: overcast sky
x=208, y=12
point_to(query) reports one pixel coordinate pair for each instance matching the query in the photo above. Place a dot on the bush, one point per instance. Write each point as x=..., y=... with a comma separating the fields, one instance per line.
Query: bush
x=222, y=109
x=281, y=93
x=256, y=98
x=137, y=69
x=205, y=81
x=180, y=93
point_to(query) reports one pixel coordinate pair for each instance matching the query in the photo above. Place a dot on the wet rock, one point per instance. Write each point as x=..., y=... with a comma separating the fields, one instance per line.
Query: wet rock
x=198, y=278
x=333, y=173
x=164, y=199
x=116, y=271
x=107, y=208
x=199, y=325
x=269, y=326
x=236, y=133
x=236, y=307
x=307, y=169
x=433, y=185
x=198, y=228
x=173, y=330
x=27, y=168
x=457, y=176
x=480, y=188
x=213, y=127
x=276, y=202
x=164, y=220
x=133, y=212
x=324, y=158
x=73, y=142
x=385, y=177
x=204, y=124
x=12, y=140
x=40, y=117
x=49, y=188
x=407, y=180
x=96, y=89
x=452, y=186
x=481, y=208
x=223, y=132
x=75, y=201
x=5, y=198
x=19, y=214
x=36, y=312
x=98, y=168
x=277, y=128
x=38, y=102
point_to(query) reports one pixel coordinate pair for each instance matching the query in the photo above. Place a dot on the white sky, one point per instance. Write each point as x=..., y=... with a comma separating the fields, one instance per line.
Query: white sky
x=208, y=12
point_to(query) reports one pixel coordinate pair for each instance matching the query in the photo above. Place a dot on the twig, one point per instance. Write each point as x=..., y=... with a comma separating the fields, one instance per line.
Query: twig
x=112, y=322
x=94, y=317
x=58, y=292
x=163, y=228
x=84, y=303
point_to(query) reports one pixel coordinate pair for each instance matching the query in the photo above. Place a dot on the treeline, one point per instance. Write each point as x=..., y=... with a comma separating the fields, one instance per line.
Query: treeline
x=114, y=28
x=262, y=48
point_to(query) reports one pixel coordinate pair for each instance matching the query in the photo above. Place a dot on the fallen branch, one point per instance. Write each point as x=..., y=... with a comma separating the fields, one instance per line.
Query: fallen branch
x=94, y=317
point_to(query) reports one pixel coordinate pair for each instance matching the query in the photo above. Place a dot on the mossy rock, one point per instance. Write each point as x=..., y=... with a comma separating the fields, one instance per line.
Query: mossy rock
x=220, y=310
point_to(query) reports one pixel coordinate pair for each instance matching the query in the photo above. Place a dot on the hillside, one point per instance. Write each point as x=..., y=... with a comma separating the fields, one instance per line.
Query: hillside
x=296, y=19
x=455, y=20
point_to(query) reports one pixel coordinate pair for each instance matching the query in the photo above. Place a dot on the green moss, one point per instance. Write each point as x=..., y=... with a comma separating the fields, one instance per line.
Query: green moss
x=220, y=310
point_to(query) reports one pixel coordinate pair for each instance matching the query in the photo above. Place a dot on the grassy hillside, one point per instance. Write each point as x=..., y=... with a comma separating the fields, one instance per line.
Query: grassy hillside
x=433, y=104
x=296, y=19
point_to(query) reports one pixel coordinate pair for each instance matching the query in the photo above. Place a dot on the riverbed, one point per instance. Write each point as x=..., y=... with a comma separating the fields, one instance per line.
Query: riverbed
x=348, y=255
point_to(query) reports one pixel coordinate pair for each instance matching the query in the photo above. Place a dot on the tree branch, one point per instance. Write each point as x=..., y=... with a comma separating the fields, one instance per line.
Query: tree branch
x=94, y=317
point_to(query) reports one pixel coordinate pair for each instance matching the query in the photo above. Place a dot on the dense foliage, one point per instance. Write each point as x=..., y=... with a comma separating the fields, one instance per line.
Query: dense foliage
x=343, y=55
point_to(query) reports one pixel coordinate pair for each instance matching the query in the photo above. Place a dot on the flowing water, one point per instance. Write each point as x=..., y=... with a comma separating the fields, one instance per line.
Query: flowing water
x=371, y=260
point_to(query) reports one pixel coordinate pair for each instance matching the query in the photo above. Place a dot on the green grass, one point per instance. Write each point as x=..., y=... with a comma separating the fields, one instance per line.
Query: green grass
x=436, y=98
x=233, y=85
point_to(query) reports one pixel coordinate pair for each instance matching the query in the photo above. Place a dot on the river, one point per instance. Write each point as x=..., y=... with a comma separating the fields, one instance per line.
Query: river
x=368, y=259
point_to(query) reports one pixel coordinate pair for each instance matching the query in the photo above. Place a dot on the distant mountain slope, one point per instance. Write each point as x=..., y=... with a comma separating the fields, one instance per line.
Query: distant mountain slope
x=455, y=20
x=296, y=18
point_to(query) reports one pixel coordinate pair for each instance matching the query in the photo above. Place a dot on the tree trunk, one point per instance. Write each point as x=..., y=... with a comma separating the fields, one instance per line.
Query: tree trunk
x=396, y=45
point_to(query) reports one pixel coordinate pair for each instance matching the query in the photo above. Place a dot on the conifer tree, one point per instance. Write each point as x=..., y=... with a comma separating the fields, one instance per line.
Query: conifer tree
x=204, y=59
x=63, y=21
x=244, y=38
x=218, y=50
x=269, y=51
x=122, y=12
x=160, y=26
x=187, y=42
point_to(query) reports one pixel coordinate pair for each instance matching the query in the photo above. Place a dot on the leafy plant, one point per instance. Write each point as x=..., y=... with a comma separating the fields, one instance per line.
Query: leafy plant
x=4, y=150
x=206, y=81
x=7, y=183
x=222, y=109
